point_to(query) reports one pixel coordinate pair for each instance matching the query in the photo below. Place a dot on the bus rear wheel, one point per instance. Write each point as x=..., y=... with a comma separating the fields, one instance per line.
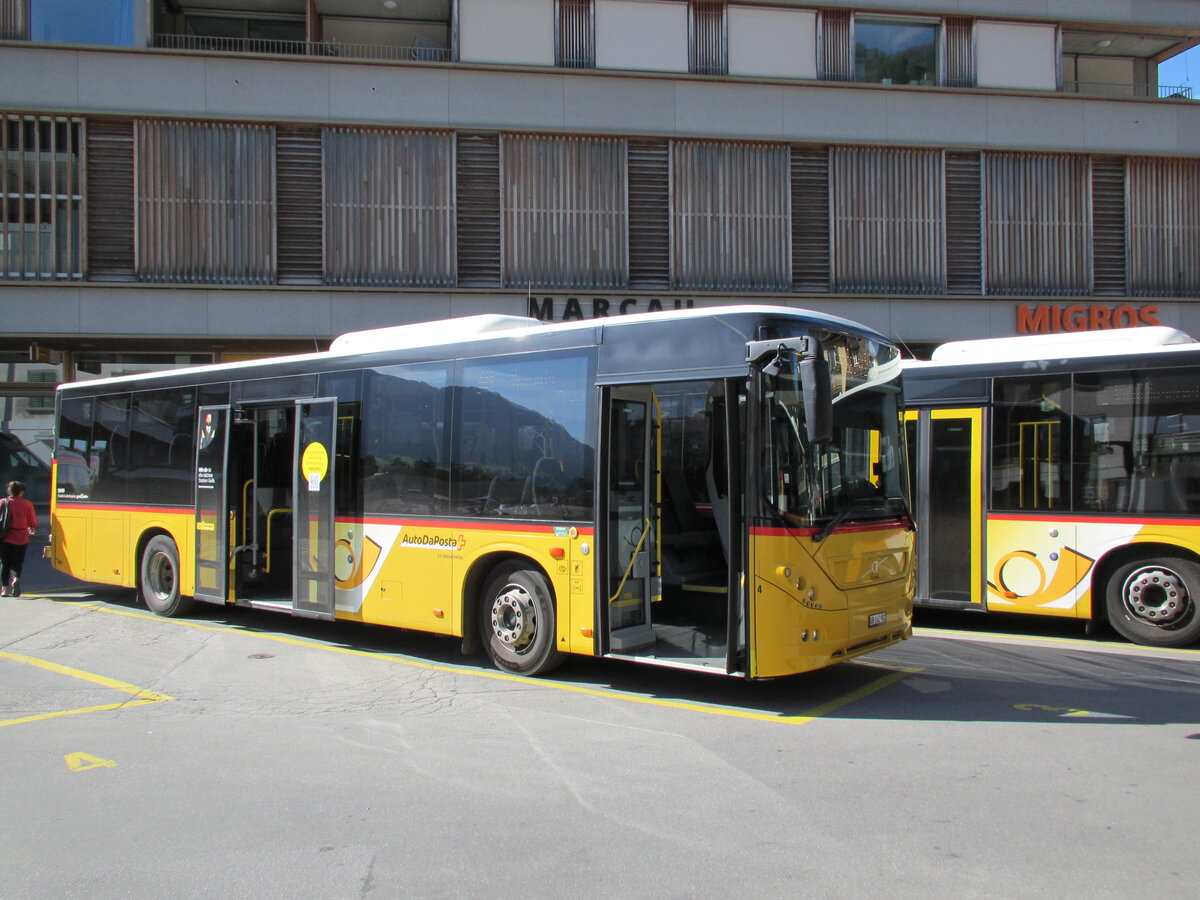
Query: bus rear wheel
x=160, y=578
x=1154, y=601
x=517, y=621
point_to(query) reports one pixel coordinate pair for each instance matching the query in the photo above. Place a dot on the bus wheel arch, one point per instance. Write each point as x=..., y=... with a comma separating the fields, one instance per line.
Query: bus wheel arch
x=159, y=575
x=1150, y=594
x=510, y=604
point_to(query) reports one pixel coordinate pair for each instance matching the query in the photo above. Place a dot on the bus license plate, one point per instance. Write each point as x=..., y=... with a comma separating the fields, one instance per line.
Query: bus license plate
x=876, y=619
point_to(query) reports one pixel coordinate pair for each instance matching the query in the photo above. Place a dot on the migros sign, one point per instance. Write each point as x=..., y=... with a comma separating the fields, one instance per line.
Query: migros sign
x=1082, y=317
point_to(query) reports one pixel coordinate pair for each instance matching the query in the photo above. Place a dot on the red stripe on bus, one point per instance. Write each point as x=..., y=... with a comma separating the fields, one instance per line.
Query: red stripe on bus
x=510, y=525
x=885, y=525
x=1077, y=519
x=104, y=507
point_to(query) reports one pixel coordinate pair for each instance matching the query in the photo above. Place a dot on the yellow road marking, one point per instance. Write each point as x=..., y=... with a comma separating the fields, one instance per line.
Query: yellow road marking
x=895, y=673
x=81, y=762
x=142, y=697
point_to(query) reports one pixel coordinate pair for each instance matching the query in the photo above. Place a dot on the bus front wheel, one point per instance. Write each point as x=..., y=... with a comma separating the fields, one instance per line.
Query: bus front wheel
x=1154, y=601
x=517, y=621
x=160, y=578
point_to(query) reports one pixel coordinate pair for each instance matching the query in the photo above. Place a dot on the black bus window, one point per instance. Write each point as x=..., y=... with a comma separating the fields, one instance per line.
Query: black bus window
x=523, y=438
x=402, y=455
x=109, y=457
x=1031, y=443
x=1138, y=442
x=73, y=450
x=160, y=446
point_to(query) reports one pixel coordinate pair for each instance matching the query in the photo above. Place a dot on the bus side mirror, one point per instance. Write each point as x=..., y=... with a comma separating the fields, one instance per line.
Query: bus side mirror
x=818, y=395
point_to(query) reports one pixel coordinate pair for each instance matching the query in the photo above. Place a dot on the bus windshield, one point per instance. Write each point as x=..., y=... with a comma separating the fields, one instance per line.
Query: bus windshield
x=859, y=474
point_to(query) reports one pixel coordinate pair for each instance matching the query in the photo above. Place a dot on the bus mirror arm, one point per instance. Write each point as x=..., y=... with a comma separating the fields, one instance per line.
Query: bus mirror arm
x=818, y=396
x=773, y=357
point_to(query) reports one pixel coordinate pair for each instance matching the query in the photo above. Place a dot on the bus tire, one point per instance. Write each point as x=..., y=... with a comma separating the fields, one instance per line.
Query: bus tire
x=517, y=621
x=1154, y=601
x=160, y=578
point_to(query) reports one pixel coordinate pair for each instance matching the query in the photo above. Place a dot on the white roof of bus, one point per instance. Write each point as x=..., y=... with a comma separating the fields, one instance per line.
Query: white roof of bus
x=1111, y=342
x=470, y=328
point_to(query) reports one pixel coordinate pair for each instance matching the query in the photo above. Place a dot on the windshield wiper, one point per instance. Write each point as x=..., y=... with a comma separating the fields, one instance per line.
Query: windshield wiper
x=862, y=504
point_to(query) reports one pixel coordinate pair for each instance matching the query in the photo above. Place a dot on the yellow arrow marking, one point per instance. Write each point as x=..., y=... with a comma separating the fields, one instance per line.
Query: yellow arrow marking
x=81, y=762
x=1070, y=711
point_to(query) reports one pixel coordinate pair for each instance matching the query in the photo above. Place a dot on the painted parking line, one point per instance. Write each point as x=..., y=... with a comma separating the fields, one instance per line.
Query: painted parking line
x=141, y=696
x=891, y=676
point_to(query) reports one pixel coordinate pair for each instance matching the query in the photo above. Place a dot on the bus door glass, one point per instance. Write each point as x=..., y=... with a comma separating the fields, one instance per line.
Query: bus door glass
x=212, y=504
x=313, y=520
x=949, y=451
x=632, y=581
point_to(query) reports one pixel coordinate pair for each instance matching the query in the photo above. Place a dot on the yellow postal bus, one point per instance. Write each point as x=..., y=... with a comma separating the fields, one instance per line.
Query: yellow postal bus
x=719, y=489
x=1060, y=475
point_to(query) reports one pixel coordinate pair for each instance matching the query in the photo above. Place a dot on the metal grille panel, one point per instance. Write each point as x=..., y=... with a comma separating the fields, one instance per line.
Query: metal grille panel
x=13, y=26
x=708, y=43
x=649, y=214
x=40, y=216
x=810, y=219
x=964, y=223
x=958, y=41
x=1109, y=265
x=389, y=207
x=478, y=209
x=205, y=202
x=110, y=215
x=575, y=37
x=564, y=208
x=730, y=216
x=1164, y=227
x=836, y=61
x=886, y=216
x=301, y=226
x=1038, y=224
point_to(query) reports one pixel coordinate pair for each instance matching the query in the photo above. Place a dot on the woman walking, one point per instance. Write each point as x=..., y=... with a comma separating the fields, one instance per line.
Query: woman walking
x=22, y=520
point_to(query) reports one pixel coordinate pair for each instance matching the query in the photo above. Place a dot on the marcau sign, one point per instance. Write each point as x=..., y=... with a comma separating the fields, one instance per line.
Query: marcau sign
x=567, y=309
x=1047, y=319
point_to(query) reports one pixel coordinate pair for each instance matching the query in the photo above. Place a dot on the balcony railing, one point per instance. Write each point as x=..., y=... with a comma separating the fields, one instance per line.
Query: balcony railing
x=425, y=51
x=1144, y=91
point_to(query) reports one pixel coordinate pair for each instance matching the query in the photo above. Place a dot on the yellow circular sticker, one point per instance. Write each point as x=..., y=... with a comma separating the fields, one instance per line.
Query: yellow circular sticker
x=315, y=462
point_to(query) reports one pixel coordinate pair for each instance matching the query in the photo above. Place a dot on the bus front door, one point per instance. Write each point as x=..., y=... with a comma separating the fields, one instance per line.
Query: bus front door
x=313, y=521
x=212, y=505
x=949, y=509
x=632, y=581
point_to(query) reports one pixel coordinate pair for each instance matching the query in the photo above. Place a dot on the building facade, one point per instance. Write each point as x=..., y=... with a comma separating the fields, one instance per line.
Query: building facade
x=199, y=180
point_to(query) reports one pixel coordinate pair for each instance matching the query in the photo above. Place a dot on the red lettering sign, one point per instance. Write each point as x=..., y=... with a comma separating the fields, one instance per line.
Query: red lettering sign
x=1077, y=317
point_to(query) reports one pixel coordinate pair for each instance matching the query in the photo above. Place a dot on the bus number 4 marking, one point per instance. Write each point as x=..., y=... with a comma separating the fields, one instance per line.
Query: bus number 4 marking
x=81, y=762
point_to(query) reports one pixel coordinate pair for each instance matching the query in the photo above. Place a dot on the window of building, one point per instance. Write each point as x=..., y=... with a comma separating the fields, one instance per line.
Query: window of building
x=730, y=222
x=205, y=202
x=104, y=22
x=895, y=51
x=389, y=207
x=40, y=212
x=1038, y=223
x=708, y=38
x=887, y=226
x=1164, y=226
x=90, y=365
x=564, y=211
x=575, y=34
x=245, y=35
